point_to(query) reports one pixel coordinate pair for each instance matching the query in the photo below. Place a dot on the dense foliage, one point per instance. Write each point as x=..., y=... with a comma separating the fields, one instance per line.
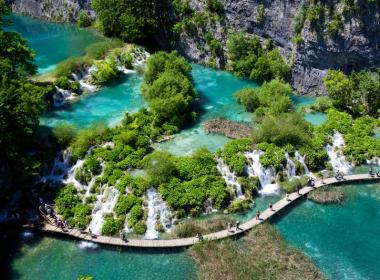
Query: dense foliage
x=21, y=103
x=233, y=154
x=358, y=94
x=169, y=90
x=131, y=20
x=248, y=59
x=271, y=98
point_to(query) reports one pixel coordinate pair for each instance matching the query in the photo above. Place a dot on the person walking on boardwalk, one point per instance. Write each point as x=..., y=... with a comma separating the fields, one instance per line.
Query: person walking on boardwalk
x=287, y=197
x=238, y=225
x=258, y=215
x=271, y=206
x=229, y=227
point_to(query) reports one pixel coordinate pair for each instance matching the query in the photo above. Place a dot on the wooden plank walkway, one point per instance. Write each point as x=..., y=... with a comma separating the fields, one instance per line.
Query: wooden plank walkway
x=186, y=242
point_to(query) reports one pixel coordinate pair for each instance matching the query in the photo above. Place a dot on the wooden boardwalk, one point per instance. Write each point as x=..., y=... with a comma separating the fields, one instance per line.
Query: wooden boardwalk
x=186, y=242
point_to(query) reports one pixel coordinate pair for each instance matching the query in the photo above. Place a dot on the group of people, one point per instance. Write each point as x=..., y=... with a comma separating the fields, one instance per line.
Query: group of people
x=236, y=226
x=48, y=211
x=372, y=173
x=339, y=176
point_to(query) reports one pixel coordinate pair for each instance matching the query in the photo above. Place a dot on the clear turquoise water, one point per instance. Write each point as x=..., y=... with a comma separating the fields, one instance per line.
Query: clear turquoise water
x=342, y=239
x=51, y=258
x=53, y=42
x=107, y=105
x=216, y=90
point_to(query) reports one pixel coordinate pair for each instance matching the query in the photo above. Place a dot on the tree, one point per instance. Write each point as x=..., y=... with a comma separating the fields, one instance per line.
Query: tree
x=131, y=20
x=160, y=167
x=16, y=58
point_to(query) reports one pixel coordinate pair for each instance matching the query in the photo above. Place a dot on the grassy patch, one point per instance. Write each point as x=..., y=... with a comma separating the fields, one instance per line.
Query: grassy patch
x=263, y=254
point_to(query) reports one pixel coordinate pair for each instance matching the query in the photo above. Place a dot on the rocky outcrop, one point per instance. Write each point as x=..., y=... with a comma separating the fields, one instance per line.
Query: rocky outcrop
x=354, y=47
x=54, y=10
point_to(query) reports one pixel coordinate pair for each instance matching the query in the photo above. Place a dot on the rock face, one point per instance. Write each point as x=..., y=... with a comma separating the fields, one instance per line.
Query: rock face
x=54, y=10
x=354, y=47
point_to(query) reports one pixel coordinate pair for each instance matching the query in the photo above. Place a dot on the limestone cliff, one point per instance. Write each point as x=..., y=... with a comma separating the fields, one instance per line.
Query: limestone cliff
x=343, y=35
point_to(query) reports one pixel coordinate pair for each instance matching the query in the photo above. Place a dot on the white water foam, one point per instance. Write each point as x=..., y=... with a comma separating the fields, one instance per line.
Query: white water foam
x=104, y=205
x=290, y=167
x=337, y=159
x=266, y=176
x=156, y=206
x=85, y=245
x=229, y=177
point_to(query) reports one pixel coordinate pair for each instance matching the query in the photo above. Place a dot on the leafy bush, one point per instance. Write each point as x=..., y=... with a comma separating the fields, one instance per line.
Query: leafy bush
x=201, y=163
x=214, y=6
x=190, y=196
x=273, y=155
x=250, y=185
x=139, y=228
x=66, y=200
x=160, y=167
x=270, y=66
x=63, y=134
x=98, y=50
x=232, y=154
x=112, y=226
x=106, y=71
x=294, y=184
x=239, y=205
x=84, y=20
x=135, y=214
x=69, y=66
x=283, y=129
x=65, y=83
x=125, y=203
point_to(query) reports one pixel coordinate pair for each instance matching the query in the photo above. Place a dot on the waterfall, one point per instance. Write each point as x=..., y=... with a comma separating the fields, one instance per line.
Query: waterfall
x=290, y=167
x=60, y=168
x=374, y=161
x=124, y=70
x=139, y=57
x=82, y=77
x=104, y=205
x=301, y=159
x=229, y=177
x=337, y=159
x=266, y=176
x=61, y=96
x=156, y=206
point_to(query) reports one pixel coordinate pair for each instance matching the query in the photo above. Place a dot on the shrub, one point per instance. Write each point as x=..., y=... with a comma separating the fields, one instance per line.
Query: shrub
x=214, y=6
x=112, y=226
x=232, y=154
x=136, y=214
x=125, y=203
x=250, y=185
x=69, y=66
x=84, y=20
x=98, y=50
x=63, y=134
x=283, y=129
x=106, y=71
x=294, y=184
x=139, y=228
x=239, y=205
x=160, y=167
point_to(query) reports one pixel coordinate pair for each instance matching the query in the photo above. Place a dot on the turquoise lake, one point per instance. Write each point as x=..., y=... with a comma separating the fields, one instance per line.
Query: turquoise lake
x=341, y=239
x=53, y=42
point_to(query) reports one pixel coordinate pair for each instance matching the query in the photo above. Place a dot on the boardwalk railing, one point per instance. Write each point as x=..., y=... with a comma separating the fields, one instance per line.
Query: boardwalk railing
x=186, y=242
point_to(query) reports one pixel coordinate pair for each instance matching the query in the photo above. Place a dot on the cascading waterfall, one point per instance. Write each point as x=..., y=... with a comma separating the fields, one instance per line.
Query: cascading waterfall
x=60, y=168
x=229, y=177
x=104, y=205
x=61, y=96
x=156, y=206
x=290, y=167
x=266, y=176
x=301, y=160
x=82, y=77
x=337, y=159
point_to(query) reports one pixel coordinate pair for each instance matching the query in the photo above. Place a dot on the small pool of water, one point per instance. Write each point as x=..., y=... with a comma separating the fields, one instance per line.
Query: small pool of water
x=342, y=239
x=52, y=258
x=53, y=42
